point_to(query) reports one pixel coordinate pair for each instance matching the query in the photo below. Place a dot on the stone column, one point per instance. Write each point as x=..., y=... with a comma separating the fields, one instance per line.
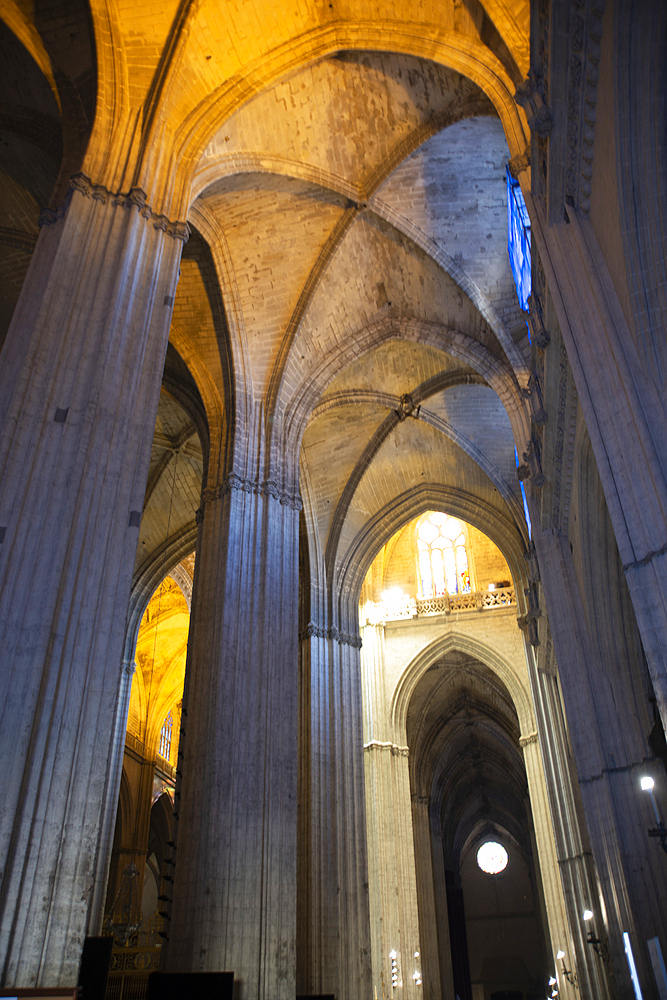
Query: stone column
x=391, y=856
x=573, y=852
x=82, y=366
x=234, y=903
x=624, y=407
x=557, y=916
x=333, y=946
x=436, y=980
x=110, y=809
x=610, y=758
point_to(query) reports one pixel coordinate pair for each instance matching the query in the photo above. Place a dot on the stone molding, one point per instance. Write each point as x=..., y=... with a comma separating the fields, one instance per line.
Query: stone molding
x=181, y=577
x=344, y=638
x=396, y=751
x=585, y=35
x=135, y=198
x=527, y=740
x=649, y=557
x=267, y=488
x=519, y=162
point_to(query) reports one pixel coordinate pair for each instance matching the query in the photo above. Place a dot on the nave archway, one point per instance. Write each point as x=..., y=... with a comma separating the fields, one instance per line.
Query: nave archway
x=452, y=760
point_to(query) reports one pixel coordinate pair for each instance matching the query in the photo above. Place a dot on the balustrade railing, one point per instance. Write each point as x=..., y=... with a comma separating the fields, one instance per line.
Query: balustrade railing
x=410, y=607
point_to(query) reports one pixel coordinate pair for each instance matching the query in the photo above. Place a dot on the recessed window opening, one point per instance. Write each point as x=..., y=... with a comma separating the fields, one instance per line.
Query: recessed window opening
x=442, y=555
x=518, y=239
x=492, y=857
x=165, y=737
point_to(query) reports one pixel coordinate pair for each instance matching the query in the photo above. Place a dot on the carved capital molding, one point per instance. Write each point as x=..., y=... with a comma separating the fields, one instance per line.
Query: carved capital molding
x=343, y=638
x=394, y=749
x=267, y=488
x=531, y=96
x=584, y=35
x=527, y=740
x=135, y=198
x=519, y=162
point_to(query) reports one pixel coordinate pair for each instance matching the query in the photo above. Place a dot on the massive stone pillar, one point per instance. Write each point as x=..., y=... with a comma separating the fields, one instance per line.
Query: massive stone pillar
x=333, y=946
x=572, y=849
x=624, y=406
x=234, y=903
x=81, y=375
x=611, y=755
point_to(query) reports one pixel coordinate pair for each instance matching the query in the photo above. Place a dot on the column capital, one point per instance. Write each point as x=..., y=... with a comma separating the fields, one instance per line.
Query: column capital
x=135, y=198
x=266, y=488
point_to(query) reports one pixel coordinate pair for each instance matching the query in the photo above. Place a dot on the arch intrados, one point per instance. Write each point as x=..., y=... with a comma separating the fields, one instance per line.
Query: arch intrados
x=150, y=576
x=411, y=504
x=448, y=48
x=495, y=373
x=433, y=740
x=454, y=641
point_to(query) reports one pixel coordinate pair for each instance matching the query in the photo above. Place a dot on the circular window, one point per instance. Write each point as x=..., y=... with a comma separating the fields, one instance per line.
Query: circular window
x=492, y=857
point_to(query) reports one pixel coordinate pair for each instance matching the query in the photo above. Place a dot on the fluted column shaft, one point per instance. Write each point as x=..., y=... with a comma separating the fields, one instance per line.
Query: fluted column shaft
x=82, y=367
x=630, y=868
x=234, y=904
x=333, y=948
x=391, y=860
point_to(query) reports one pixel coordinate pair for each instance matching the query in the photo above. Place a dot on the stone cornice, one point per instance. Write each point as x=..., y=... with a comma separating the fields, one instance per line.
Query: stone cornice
x=344, y=638
x=135, y=198
x=267, y=488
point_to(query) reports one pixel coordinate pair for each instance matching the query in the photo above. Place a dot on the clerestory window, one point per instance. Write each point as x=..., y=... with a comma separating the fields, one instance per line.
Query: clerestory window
x=165, y=737
x=518, y=239
x=443, y=560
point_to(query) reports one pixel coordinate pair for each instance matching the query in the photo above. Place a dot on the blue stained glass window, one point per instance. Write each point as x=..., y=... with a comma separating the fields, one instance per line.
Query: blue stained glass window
x=524, y=498
x=518, y=239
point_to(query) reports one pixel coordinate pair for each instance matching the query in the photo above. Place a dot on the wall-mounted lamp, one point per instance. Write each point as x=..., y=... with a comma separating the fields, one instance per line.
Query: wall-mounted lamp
x=567, y=973
x=660, y=831
x=599, y=946
x=394, y=970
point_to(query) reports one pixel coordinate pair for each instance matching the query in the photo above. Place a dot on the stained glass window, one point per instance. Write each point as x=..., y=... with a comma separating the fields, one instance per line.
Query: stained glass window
x=518, y=239
x=443, y=560
x=165, y=737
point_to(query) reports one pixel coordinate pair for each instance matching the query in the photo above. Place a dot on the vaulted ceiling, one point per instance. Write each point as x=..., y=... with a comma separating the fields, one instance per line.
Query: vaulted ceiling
x=342, y=167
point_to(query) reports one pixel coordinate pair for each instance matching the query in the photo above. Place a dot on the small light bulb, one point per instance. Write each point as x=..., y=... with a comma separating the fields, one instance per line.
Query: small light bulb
x=392, y=955
x=587, y=914
x=561, y=954
x=552, y=981
x=554, y=993
x=416, y=954
x=647, y=784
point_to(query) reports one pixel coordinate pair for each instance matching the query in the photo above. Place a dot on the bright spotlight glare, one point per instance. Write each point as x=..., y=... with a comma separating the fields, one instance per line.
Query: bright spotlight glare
x=392, y=596
x=647, y=784
x=587, y=914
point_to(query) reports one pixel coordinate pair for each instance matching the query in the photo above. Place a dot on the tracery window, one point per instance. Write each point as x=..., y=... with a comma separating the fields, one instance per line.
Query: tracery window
x=518, y=239
x=443, y=560
x=165, y=737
